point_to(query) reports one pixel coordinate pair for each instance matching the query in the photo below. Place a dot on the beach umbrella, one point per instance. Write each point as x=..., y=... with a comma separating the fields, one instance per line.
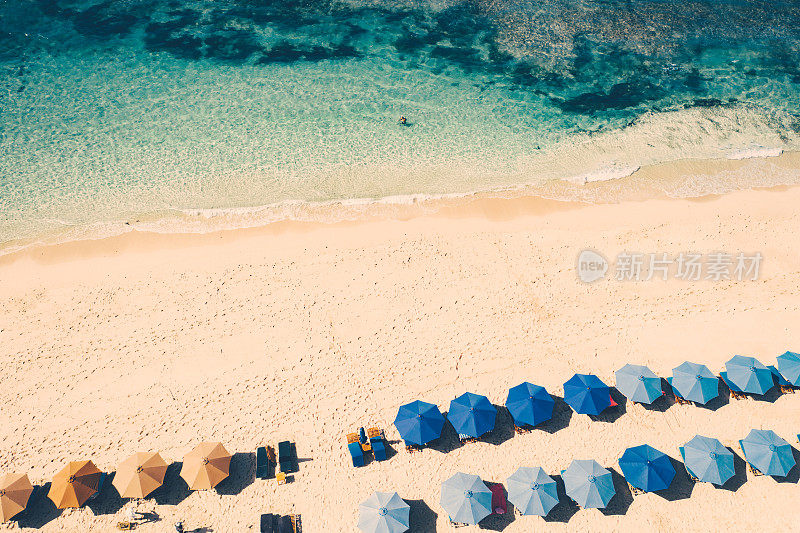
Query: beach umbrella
x=140, y=474
x=767, y=452
x=708, y=460
x=647, y=468
x=419, y=422
x=75, y=484
x=695, y=382
x=466, y=498
x=529, y=404
x=15, y=489
x=588, y=483
x=384, y=512
x=206, y=465
x=586, y=394
x=749, y=374
x=472, y=414
x=532, y=491
x=638, y=383
x=789, y=367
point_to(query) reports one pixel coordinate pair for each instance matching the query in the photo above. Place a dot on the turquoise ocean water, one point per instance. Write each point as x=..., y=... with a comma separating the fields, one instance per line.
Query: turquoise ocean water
x=192, y=115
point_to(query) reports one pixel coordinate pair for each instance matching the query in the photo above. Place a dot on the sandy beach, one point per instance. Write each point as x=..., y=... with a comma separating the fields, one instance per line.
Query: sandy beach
x=307, y=332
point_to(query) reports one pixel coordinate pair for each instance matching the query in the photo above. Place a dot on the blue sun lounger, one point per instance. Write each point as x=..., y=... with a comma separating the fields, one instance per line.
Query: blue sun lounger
x=356, y=453
x=378, y=448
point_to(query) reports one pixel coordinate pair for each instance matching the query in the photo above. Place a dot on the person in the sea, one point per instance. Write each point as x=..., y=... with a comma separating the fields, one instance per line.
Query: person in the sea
x=403, y=121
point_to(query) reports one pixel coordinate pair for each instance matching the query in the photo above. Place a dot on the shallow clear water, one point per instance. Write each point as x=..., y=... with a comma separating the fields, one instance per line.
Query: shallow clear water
x=133, y=110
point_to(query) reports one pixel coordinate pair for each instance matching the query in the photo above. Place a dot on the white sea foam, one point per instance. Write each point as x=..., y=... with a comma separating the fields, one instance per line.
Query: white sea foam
x=610, y=172
x=749, y=153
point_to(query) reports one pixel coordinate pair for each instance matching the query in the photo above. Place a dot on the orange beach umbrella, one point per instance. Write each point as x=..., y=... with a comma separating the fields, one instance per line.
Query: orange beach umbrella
x=206, y=465
x=74, y=484
x=15, y=489
x=140, y=474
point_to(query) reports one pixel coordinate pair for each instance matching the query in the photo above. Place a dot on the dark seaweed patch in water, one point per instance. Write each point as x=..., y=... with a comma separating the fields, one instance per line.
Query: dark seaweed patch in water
x=171, y=36
x=231, y=45
x=467, y=58
x=285, y=52
x=104, y=20
x=620, y=96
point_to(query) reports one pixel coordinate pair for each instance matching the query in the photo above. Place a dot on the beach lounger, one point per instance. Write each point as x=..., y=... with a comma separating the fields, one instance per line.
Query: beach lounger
x=753, y=470
x=457, y=524
x=411, y=448
x=269, y=523
x=635, y=491
x=736, y=392
x=297, y=525
x=126, y=526
x=465, y=439
x=100, y=484
x=286, y=456
x=281, y=478
x=499, y=504
x=352, y=437
x=285, y=524
x=520, y=430
x=373, y=432
x=262, y=463
x=378, y=448
x=356, y=453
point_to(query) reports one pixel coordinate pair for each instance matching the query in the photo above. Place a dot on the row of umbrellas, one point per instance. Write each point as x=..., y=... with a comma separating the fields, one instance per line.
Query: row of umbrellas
x=136, y=477
x=474, y=415
x=468, y=499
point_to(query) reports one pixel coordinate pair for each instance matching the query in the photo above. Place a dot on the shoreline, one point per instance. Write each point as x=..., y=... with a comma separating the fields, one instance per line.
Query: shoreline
x=505, y=203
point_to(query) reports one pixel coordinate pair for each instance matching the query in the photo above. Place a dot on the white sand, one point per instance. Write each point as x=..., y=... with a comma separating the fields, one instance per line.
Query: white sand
x=157, y=343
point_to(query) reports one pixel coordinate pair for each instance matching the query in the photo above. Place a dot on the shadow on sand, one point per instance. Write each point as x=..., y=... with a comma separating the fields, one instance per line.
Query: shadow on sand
x=421, y=516
x=40, y=510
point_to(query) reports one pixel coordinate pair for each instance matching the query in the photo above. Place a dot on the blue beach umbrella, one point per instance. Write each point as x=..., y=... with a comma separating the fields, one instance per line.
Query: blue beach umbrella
x=695, y=382
x=586, y=394
x=749, y=375
x=708, y=460
x=789, y=367
x=638, y=383
x=532, y=491
x=466, y=498
x=472, y=414
x=767, y=452
x=647, y=468
x=589, y=484
x=529, y=404
x=419, y=422
x=384, y=512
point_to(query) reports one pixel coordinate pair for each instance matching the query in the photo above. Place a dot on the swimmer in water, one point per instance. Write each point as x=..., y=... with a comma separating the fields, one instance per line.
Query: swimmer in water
x=403, y=121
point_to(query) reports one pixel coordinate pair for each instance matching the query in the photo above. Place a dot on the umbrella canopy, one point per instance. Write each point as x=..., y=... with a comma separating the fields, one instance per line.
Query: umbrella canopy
x=708, y=460
x=532, y=491
x=589, y=484
x=695, y=382
x=638, y=383
x=586, y=394
x=384, y=512
x=15, y=489
x=529, y=404
x=206, y=465
x=466, y=498
x=767, y=452
x=140, y=474
x=789, y=367
x=74, y=484
x=472, y=414
x=419, y=422
x=749, y=374
x=647, y=468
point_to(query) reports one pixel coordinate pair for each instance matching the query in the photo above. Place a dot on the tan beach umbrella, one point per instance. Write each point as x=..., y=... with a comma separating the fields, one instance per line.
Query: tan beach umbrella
x=74, y=484
x=206, y=465
x=140, y=474
x=15, y=489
